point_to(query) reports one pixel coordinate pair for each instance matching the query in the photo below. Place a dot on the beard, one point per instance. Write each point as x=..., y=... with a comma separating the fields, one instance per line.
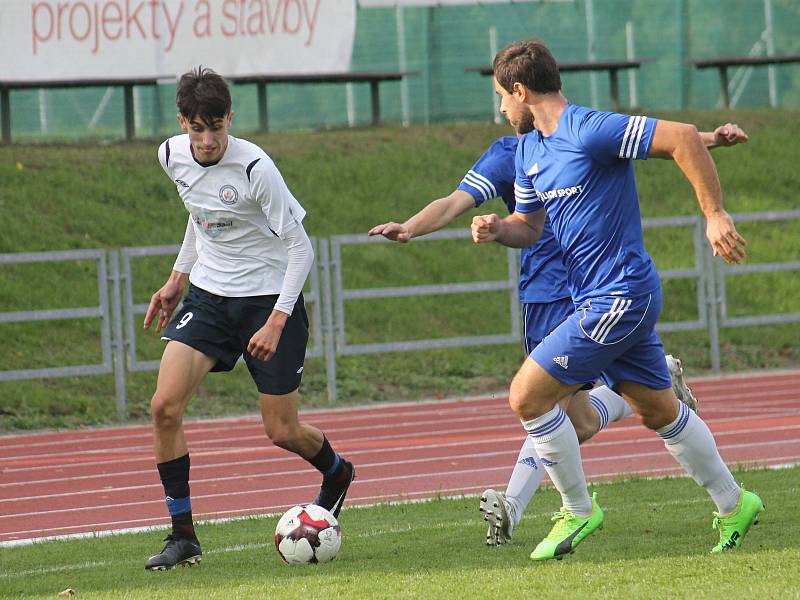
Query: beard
x=525, y=124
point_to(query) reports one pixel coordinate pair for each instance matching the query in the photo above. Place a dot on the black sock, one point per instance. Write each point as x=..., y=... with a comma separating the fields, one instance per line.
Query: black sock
x=175, y=479
x=326, y=461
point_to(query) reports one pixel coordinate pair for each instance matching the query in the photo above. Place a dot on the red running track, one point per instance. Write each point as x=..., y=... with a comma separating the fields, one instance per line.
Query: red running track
x=62, y=483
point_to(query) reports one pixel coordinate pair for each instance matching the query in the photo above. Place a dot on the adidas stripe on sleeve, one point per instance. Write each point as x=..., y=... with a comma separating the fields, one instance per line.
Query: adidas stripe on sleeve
x=480, y=184
x=611, y=136
x=492, y=175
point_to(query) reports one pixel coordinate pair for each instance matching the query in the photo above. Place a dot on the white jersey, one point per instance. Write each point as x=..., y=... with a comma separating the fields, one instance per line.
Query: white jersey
x=240, y=210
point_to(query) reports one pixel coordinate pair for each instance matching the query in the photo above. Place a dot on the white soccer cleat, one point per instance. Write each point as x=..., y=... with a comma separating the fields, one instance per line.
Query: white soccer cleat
x=682, y=391
x=500, y=515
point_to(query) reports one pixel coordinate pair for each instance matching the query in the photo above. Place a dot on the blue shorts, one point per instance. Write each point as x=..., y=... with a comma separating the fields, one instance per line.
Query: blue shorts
x=540, y=318
x=610, y=337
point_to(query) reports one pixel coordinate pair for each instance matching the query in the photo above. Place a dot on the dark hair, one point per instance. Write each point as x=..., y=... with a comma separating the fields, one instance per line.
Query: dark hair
x=530, y=63
x=204, y=94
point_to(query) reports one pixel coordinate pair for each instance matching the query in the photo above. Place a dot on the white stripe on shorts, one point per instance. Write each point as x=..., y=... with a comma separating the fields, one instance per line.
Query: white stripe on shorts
x=610, y=319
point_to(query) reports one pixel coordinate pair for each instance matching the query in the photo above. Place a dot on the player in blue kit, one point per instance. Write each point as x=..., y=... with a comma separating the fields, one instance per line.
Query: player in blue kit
x=577, y=165
x=546, y=302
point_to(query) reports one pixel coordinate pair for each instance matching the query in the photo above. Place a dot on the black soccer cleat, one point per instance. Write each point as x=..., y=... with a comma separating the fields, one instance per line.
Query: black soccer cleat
x=178, y=551
x=334, y=489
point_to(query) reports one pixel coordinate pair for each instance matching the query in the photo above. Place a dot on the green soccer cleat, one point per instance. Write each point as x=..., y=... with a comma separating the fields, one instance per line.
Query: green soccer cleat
x=568, y=532
x=733, y=527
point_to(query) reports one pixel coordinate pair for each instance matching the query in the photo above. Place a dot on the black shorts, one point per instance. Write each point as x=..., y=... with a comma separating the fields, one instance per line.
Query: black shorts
x=221, y=328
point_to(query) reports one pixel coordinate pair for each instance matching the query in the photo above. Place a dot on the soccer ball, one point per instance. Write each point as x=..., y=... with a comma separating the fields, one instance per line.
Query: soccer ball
x=307, y=534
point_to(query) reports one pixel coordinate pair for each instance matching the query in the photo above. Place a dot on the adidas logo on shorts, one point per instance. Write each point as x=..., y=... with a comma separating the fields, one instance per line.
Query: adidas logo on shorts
x=561, y=361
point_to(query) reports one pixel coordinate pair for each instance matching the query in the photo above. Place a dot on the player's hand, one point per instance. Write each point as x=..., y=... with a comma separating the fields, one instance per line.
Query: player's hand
x=729, y=134
x=163, y=304
x=264, y=343
x=485, y=228
x=725, y=240
x=391, y=231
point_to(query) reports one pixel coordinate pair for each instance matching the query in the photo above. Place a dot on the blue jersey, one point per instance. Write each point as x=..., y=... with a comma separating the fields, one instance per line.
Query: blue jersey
x=583, y=176
x=543, y=277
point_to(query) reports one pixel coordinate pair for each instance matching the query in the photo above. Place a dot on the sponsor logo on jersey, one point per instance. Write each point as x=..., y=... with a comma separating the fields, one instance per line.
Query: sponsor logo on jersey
x=228, y=195
x=559, y=193
x=561, y=361
x=182, y=183
x=211, y=228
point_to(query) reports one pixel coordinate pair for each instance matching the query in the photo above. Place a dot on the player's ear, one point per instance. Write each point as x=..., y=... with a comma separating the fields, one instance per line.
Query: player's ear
x=229, y=119
x=519, y=91
x=182, y=121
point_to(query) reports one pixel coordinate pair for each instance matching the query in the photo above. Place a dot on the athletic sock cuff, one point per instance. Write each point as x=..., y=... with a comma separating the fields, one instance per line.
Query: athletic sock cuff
x=326, y=461
x=175, y=477
x=675, y=431
x=601, y=409
x=545, y=428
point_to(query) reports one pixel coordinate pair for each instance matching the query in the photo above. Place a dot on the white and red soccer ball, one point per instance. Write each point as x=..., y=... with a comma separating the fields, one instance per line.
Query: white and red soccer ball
x=307, y=534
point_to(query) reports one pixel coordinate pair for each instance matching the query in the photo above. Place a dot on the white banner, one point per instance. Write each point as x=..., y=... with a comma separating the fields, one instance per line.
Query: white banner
x=93, y=39
x=393, y=3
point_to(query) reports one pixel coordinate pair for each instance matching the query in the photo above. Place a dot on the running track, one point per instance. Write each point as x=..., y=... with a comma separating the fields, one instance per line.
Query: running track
x=62, y=483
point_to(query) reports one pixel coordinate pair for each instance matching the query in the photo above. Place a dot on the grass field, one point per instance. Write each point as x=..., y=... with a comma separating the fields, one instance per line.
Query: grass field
x=654, y=545
x=60, y=197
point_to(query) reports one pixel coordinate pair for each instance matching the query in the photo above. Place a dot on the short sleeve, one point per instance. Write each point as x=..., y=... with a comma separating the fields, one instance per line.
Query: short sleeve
x=492, y=176
x=525, y=196
x=609, y=136
x=163, y=157
x=281, y=208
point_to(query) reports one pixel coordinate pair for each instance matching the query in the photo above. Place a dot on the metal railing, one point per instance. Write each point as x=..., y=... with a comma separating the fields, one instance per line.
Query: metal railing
x=100, y=311
x=326, y=295
x=341, y=294
x=725, y=271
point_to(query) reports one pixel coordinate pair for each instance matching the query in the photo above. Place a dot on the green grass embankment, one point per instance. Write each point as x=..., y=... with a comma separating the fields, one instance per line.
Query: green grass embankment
x=60, y=197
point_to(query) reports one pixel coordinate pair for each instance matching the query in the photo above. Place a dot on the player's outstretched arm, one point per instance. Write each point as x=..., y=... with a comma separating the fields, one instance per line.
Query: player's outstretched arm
x=518, y=230
x=436, y=215
x=165, y=300
x=729, y=134
x=683, y=144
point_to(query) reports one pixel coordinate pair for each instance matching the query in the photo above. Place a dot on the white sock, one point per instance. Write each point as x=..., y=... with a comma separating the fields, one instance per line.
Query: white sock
x=525, y=479
x=557, y=446
x=689, y=440
x=610, y=406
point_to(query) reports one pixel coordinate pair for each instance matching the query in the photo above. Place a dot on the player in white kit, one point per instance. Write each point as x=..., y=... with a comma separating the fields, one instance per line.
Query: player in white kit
x=246, y=256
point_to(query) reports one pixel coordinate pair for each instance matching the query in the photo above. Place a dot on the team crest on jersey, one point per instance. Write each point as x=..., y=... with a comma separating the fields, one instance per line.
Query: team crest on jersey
x=228, y=195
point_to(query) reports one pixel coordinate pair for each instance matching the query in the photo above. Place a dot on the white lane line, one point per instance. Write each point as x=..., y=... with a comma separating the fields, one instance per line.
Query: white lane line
x=364, y=502
x=506, y=423
x=387, y=479
x=291, y=458
x=350, y=415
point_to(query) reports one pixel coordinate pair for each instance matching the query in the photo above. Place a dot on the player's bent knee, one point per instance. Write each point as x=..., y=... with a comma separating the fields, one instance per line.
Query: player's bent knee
x=283, y=435
x=517, y=403
x=655, y=417
x=526, y=406
x=166, y=414
x=584, y=433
